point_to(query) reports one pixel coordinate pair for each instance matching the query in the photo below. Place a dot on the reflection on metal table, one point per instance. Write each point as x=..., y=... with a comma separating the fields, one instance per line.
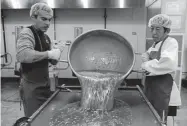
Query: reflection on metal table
x=143, y=113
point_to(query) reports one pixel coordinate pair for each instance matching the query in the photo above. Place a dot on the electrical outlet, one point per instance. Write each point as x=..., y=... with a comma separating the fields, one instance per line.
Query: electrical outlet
x=78, y=31
x=134, y=33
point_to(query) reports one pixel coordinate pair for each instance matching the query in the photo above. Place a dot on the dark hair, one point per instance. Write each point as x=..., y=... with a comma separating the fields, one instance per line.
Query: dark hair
x=166, y=29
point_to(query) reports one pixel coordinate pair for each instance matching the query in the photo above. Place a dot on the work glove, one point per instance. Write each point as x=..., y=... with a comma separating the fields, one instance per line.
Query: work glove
x=58, y=45
x=54, y=54
x=145, y=57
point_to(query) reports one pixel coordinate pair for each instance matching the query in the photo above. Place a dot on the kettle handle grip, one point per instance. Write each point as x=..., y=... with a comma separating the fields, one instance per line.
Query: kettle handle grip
x=68, y=43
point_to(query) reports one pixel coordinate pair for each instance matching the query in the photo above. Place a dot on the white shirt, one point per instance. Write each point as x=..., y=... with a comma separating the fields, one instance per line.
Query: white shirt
x=166, y=64
x=168, y=60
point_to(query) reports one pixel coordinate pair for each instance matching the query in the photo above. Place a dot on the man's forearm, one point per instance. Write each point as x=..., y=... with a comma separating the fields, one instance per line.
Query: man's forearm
x=30, y=56
x=163, y=66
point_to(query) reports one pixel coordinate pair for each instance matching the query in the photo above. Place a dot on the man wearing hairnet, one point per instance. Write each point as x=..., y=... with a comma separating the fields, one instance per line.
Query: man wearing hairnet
x=160, y=63
x=34, y=53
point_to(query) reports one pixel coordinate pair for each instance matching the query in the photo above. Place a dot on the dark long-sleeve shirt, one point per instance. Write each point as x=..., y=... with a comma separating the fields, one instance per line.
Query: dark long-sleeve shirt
x=25, y=48
x=34, y=67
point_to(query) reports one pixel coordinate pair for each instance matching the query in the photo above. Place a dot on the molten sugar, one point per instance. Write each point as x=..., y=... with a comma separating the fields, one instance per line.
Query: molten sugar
x=97, y=106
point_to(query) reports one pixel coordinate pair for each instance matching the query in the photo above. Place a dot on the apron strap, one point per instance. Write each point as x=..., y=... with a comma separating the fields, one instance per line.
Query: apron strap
x=159, y=51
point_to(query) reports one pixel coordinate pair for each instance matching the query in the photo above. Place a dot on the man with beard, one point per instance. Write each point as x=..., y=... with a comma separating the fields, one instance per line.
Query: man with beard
x=34, y=53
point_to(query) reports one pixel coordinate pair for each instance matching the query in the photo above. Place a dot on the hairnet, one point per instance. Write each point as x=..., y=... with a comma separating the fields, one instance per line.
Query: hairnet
x=39, y=7
x=161, y=20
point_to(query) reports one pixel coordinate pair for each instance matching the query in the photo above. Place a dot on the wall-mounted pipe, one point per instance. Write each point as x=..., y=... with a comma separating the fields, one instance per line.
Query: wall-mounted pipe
x=105, y=17
x=3, y=30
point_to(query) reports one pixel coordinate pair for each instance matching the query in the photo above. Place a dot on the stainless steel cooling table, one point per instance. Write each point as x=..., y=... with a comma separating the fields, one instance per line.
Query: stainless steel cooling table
x=143, y=113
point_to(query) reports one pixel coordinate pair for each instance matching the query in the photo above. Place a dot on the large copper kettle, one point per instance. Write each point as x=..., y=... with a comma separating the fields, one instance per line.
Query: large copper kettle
x=101, y=50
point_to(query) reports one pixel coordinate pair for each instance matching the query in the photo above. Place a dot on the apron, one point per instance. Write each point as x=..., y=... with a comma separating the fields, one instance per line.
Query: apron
x=34, y=85
x=158, y=88
x=33, y=95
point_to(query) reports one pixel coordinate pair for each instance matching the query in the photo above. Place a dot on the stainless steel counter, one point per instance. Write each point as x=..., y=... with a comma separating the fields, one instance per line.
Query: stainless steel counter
x=143, y=114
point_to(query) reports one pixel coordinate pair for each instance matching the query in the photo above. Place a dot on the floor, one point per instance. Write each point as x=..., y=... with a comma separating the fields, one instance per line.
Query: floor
x=11, y=110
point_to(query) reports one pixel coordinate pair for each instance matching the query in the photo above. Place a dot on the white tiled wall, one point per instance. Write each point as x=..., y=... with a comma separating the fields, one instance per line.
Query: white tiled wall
x=130, y=23
x=185, y=48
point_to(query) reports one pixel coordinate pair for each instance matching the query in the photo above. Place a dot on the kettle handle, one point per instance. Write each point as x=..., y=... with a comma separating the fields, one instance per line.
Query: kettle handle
x=64, y=61
x=68, y=43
